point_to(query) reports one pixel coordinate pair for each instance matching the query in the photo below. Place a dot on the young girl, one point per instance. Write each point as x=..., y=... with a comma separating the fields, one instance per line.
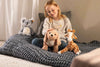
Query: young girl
x=54, y=19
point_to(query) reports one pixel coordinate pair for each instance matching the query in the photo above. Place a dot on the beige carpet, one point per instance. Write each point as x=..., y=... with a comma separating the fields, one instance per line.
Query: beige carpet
x=8, y=61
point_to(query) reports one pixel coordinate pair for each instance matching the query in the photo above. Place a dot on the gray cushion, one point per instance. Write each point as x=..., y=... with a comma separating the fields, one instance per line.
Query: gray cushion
x=39, y=33
x=42, y=17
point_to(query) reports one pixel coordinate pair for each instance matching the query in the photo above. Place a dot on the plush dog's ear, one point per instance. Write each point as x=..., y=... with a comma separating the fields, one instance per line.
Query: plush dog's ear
x=45, y=38
x=66, y=35
x=58, y=41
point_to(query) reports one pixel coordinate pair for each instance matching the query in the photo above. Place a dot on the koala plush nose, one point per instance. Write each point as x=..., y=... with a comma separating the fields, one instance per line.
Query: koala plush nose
x=27, y=23
x=51, y=34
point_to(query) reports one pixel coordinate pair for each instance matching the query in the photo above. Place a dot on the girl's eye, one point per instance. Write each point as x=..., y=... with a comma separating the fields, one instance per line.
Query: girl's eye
x=55, y=34
x=49, y=32
x=48, y=11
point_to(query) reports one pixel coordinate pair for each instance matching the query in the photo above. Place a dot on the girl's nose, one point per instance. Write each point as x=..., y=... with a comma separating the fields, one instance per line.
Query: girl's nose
x=51, y=12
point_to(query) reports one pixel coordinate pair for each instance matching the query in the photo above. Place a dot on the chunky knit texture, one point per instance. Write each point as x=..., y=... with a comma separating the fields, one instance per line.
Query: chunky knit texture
x=20, y=46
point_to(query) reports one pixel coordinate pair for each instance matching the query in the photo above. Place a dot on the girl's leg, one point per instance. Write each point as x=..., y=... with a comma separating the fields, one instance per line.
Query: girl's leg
x=63, y=45
x=38, y=42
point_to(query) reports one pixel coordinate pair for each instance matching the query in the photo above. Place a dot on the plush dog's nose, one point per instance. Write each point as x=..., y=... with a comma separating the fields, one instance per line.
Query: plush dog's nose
x=51, y=35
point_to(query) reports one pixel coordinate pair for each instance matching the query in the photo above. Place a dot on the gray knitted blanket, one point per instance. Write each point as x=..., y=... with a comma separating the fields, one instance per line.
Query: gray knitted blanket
x=20, y=46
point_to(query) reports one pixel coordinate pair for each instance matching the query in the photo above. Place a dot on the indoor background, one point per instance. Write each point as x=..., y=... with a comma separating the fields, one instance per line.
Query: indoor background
x=85, y=18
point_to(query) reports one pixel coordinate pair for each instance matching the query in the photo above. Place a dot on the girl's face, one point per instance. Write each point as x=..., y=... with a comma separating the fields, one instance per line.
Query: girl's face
x=52, y=11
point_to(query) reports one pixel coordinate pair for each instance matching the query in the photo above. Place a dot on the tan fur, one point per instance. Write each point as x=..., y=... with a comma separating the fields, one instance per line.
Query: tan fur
x=71, y=45
x=54, y=38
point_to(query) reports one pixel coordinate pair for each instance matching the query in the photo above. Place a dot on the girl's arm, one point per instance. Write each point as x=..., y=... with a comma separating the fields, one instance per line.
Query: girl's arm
x=46, y=26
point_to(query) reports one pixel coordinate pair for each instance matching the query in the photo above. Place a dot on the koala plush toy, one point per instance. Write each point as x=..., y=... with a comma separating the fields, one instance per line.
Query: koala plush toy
x=26, y=27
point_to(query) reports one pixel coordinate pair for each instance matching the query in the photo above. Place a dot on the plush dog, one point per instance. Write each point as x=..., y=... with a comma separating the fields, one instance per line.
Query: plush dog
x=71, y=45
x=51, y=39
x=26, y=27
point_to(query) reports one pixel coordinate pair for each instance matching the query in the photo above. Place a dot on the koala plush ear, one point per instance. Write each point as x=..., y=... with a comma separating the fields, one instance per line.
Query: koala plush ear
x=23, y=19
x=31, y=20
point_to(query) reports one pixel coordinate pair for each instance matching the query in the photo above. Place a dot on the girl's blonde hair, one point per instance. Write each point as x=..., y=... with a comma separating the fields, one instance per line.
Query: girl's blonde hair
x=52, y=2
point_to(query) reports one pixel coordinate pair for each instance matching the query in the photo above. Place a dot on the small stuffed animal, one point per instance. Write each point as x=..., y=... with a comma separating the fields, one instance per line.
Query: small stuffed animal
x=51, y=39
x=26, y=28
x=71, y=45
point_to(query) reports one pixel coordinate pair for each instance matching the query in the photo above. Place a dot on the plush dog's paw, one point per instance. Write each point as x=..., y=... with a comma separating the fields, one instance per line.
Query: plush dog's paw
x=45, y=48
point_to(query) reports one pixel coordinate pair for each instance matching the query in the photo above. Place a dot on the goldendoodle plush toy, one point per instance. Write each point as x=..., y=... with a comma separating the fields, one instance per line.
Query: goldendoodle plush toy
x=71, y=45
x=51, y=39
x=26, y=28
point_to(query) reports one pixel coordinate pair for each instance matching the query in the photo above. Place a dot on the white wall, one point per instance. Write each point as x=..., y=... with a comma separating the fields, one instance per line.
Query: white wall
x=2, y=23
x=85, y=17
x=11, y=13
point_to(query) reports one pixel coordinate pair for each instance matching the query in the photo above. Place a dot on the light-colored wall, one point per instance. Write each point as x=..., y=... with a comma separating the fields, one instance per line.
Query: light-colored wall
x=85, y=17
x=12, y=12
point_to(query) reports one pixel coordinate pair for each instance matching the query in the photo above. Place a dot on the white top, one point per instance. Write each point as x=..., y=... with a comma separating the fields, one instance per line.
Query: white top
x=61, y=26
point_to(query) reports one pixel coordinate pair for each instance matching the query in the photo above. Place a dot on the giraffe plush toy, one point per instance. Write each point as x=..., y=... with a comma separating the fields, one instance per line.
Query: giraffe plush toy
x=71, y=45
